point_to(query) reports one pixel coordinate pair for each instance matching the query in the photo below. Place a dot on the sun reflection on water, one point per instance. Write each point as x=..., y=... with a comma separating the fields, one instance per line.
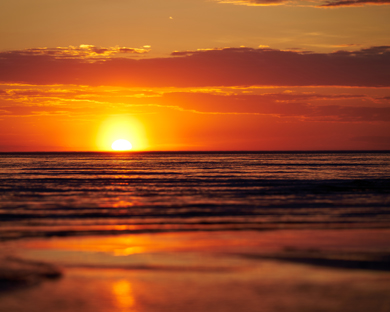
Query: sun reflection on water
x=128, y=251
x=122, y=203
x=123, y=295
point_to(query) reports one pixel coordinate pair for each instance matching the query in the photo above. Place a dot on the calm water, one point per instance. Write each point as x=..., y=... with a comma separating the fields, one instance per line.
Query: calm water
x=48, y=194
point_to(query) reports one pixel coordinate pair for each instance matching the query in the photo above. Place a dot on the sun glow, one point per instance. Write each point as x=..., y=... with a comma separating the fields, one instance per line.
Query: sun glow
x=121, y=145
x=125, y=127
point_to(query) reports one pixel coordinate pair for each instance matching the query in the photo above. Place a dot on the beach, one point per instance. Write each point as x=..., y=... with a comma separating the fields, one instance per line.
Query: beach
x=279, y=270
x=195, y=156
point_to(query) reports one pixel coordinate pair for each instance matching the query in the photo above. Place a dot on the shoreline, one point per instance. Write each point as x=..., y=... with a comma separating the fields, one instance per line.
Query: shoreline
x=201, y=271
x=156, y=229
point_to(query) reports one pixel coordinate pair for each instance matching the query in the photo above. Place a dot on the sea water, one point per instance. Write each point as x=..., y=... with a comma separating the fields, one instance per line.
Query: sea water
x=60, y=194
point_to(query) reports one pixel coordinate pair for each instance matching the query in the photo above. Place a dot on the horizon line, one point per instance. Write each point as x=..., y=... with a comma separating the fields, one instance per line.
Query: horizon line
x=204, y=151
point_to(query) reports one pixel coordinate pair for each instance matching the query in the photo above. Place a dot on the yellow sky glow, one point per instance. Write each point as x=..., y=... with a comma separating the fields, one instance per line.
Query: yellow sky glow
x=121, y=127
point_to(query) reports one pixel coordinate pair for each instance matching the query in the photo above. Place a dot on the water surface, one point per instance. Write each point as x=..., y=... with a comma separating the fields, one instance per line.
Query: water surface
x=51, y=194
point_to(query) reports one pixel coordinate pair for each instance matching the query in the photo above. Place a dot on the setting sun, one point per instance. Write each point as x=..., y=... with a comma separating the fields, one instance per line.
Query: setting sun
x=121, y=133
x=121, y=145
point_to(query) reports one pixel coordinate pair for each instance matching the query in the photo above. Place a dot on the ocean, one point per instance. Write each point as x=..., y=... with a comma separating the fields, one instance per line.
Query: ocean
x=93, y=193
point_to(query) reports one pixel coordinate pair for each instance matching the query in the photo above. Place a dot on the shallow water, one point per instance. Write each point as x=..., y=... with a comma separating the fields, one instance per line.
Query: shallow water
x=226, y=271
x=51, y=194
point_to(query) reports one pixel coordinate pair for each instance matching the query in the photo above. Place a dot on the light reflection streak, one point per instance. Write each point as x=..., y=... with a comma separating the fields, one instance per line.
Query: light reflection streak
x=123, y=295
x=122, y=203
x=128, y=251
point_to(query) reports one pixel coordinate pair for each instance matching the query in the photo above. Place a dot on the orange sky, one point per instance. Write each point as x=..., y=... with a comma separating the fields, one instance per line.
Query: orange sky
x=194, y=75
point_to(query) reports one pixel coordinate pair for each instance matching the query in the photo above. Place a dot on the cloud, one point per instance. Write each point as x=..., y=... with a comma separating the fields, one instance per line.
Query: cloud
x=204, y=68
x=313, y=3
x=287, y=105
x=254, y=2
x=309, y=107
x=345, y=3
x=85, y=51
x=280, y=105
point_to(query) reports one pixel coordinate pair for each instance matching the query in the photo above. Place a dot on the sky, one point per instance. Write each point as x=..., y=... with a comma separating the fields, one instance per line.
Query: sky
x=201, y=75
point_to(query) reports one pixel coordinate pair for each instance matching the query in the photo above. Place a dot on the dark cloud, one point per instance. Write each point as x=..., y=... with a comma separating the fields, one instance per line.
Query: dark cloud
x=334, y=3
x=344, y=3
x=218, y=67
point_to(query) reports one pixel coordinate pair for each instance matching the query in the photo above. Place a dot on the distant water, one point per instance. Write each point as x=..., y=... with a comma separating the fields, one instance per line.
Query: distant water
x=56, y=194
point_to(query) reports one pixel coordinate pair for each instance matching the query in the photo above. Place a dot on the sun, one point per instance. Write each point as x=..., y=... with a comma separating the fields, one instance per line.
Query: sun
x=121, y=145
x=123, y=127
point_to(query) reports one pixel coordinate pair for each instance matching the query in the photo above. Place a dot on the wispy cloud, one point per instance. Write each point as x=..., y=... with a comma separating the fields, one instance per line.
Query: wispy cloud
x=85, y=51
x=342, y=107
x=316, y=107
x=254, y=2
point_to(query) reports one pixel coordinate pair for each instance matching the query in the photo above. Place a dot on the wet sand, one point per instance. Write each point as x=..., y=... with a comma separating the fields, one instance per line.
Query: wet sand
x=281, y=270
